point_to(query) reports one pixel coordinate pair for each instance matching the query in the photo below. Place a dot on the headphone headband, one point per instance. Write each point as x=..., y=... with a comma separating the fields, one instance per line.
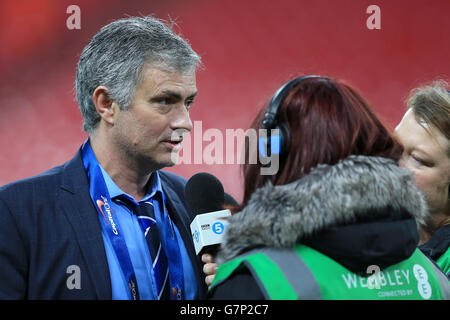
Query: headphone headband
x=277, y=141
x=269, y=118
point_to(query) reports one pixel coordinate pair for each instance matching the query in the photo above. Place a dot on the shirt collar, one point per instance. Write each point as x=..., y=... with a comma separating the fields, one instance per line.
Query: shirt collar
x=153, y=186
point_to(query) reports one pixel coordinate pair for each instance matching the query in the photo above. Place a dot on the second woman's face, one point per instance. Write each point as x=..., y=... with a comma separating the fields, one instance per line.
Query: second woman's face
x=426, y=156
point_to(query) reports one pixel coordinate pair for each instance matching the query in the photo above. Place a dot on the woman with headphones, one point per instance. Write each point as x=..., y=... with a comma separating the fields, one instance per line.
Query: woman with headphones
x=339, y=219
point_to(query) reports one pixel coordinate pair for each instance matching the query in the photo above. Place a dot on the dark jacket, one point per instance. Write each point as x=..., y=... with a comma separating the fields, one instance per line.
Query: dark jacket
x=438, y=245
x=362, y=211
x=49, y=223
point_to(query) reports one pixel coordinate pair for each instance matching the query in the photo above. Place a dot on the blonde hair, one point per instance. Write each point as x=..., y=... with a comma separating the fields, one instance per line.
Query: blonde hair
x=431, y=104
x=443, y=223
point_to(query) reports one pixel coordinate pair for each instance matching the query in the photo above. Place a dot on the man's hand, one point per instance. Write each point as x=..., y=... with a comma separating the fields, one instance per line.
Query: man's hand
x=209, y=268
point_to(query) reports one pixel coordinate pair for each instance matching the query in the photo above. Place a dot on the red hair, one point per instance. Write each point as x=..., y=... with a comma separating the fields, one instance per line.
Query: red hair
x=328, y=120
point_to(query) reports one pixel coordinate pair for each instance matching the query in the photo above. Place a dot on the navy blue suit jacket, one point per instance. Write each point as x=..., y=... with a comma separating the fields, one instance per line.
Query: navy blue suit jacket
x=48, y=223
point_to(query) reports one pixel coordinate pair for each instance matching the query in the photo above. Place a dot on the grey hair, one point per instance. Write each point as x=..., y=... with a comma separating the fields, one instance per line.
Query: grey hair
x=115, y=58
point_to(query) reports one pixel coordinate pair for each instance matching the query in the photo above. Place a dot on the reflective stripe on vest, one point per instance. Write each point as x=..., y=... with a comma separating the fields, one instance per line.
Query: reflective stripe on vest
x=304, y=273
x=444, y=262
x=442, y=278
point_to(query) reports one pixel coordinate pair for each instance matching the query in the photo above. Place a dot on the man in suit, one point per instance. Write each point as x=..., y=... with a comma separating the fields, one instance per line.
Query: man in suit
x=78, y=230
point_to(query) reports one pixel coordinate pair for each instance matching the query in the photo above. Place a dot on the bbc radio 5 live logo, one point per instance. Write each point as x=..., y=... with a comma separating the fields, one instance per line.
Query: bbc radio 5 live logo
x=196, y=236
x=217, y=228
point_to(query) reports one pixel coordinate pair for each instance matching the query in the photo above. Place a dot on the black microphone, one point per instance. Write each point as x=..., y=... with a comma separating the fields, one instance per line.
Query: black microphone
x=205, y=198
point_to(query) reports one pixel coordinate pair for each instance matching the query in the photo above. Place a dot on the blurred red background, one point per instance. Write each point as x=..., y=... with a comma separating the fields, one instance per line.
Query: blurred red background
x=249, y=48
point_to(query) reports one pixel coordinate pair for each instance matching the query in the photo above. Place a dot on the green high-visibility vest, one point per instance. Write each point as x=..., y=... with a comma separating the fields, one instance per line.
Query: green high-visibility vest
x=304, y=273
x=444, y=261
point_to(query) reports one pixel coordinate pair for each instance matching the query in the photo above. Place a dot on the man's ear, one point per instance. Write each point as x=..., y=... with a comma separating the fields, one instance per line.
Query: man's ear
x=104, y=105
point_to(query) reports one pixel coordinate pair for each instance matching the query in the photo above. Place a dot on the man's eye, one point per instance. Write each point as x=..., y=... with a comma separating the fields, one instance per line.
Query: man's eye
x=189, y=103
x=164, y=101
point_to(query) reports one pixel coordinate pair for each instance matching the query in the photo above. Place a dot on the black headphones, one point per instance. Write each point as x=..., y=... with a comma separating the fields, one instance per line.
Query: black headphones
x=278, y=143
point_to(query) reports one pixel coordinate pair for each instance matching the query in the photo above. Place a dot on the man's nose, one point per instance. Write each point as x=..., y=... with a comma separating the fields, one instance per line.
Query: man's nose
x=181, y=119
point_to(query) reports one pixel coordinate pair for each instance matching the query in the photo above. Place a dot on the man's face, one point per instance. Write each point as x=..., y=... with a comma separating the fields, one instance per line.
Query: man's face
x=152, y=129
x=425, y=155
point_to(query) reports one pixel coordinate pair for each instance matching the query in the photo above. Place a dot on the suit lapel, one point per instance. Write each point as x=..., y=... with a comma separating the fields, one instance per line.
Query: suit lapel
x=180, y=217
x=77, y=205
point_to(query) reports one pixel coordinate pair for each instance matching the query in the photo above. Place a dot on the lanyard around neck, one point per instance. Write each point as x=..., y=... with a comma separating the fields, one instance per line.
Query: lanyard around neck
x=101, y=198
x=102, y=202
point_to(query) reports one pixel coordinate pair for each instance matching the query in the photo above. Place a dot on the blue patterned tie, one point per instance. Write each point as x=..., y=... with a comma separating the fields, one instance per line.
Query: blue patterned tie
x=145, y=213
x=146, y=216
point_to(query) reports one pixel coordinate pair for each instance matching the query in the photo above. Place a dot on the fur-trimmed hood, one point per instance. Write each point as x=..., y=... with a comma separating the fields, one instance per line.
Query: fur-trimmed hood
x=357, y=191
